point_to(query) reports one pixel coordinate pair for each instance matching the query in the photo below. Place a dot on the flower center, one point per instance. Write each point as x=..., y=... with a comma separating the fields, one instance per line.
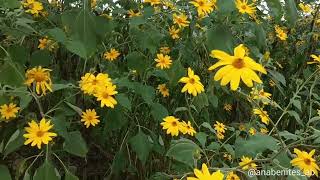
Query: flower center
x=174, y=124
x=244, y=7
x=9, y=110
x=201, y=3
x=238, y=63
x=192, y=81
x=39, y=76
x=105, y=95
x=95, y=82
x=40, y=133
x=307, y=161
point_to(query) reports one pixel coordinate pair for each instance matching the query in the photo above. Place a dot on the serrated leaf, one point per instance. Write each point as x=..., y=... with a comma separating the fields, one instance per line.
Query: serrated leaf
x=141, y=145
x=75, y=144
x=158, y=111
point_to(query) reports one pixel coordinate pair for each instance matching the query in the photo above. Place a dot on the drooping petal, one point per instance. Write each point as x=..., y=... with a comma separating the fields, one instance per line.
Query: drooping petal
x=220, y=55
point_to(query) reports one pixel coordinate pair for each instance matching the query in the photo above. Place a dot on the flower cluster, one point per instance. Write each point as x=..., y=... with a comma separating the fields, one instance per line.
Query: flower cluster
x=33, y=7
x=220, y=129
x=174, y=126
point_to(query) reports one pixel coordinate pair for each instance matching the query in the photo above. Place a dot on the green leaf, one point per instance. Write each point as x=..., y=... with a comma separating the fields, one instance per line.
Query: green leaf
x=277, y=76
x=15, y=142
x=46, y=171
x=147, y=92
x=314, y=119
x=291, y=12
x=18, y=54
x=297, y=104
x=75, y=108
x=70, y=176
x=260, y=36
x=77, y=47
x=60, y=126
x=253, y=145
x=141, y=145
x=201, y=101
x=296, y=116
x=175, y=72
x=119, y=162
x=57, y=87
x=214, y=101
x=4, y=172
x=276, y=8
x=57, y=34
x=40, y=58
x=11, y=74
x=158, y=111
x=124, y=101
x=226, y=7
x=202, y=138
x=11, y=4
x=220, y=38
x=288, y=136
x=183, y=150
x=75, y=144
x=136, y=61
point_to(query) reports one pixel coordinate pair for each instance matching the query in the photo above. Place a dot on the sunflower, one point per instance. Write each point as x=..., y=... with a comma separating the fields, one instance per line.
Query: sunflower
x=41, y=79
x=204, y=174
x=232, y=176
x=153, y=2
x=163, y=61
x=106, y=96
x=111, y=55
x=174, y=33
x=172, y=125
x=90, y=118
x=245, y=8
x=305, y=162
x=281, y=33
x=33, y=7
x=90, y=83
x=220, y=135
x=187, y=128
x=236, y=67
x=181, y=20
x=220, y=127
x=192, y=83
x=306, y=8
x=38, y=134
x=227, y=107
x=252, y=131
x=163, y=90
x=9, y=111
x=165, y=50
x=246, y=163
x=264, y=130
x=133, y=13
x=316, y=59
x=204, y=7
x=263, y=115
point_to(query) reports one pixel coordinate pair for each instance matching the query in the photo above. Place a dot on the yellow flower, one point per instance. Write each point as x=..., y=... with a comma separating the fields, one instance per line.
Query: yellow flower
x=90, y=118
x=318, y=112
x=33, y=7
x=227, y=156
x=106, y=96
x=227, y=107
x=41, y=78
x=46, y=43
x=133, y=13
x=305, y=162
x=192, y=83
x=263, y=115
x=38, y=134
x=220, y=127
x=244, y=7
x=111, y=55
x=153, y=2
x=242, y=127
x=168, y=4
x=163, y=90
x=232, y=176
x=281, y=33
x=305, y=8
x=236, y=67
x=272, y=83
x=204, y=7
x=220, y=135
x=90, y=83
x=186, y=128
x=174, y=33
x=9, y=111
x=246, y=163
x=264, y=130
x=252, y=131
x=204, y=174
x=172, y=125
x=266, y=55
x=93, y=3
x=316, y=59
x=181, y=20
x=163, y=61
x=165, y=50
x=261, y=95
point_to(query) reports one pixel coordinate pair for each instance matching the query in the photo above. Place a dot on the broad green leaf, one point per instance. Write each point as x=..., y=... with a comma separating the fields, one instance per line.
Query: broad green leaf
x=158, y=111
x=314, y=119
x=201, y=101
x=220, y=38
x=260, y=36
x=287, y=135
x=124, y=101
x=40, y=58
x=202, y=138
x=75, y=108
x=4, y=172
x=147, y=92
x=57, y=34
x=175, y=72
x=15, y=142
x=70, y=176
x=119, y=162
x=115, y=119
x=253, y=145
x=77, y=47
x=277, y=76
x=296, y=116
x=226, y=7
x=183, y=150
x=75, y=144
x=276, y=9
x=60, y=126
x=291, y=12
x=57, y=87
x=11, y=74
x=18, y=54
x=11, y=4
x=46, y=172
x=214, y=101
x=296, y=103
x=141, y=145
x=136, y=61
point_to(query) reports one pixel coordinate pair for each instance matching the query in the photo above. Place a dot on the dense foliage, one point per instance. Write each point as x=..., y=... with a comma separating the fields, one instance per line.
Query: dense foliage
x=159, y=89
